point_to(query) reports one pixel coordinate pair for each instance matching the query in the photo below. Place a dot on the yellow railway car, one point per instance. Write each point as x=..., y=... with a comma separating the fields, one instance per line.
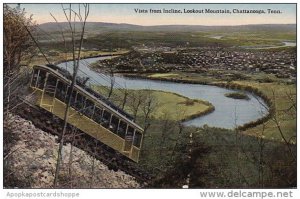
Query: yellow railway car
x=89, y=111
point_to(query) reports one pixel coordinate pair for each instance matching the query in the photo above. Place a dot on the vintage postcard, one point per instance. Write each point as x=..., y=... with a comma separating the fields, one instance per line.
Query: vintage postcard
x=149, y=95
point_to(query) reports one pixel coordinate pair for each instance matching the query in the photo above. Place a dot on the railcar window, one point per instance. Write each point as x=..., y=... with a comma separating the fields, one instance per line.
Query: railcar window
x=51, y=81
x=79, y=102
x=89, y=108
x=114, y=124
x=34, y=77
x=41, y=79
x=67, y=93
x=97, y=115
x=122, y=129
x=137, y=139
x=73, y=97
x=129, y=134
x=61, y=91
x=106, y=118
x=84, y=102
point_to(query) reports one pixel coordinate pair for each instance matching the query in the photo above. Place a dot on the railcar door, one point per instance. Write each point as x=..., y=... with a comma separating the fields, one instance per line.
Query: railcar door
x=128, y=139
x=48, y=95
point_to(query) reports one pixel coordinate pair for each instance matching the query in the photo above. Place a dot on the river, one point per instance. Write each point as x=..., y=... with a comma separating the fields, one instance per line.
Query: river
x=228, y=113
x=285, y=44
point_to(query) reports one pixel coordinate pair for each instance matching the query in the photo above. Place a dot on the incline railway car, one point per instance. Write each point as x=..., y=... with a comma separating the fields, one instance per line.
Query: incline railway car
x=89, y=111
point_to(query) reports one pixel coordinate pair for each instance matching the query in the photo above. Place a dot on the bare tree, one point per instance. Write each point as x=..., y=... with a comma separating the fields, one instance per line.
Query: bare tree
x=112, y=82
x=167, y=127
x=258, y=157
x=292, y=109
x=136, y=100
x=71, y=17
x=261, y=144
x=93, y=165
x=73, y=134
x=238, y=147
x=126, y=93
x=179, y=136
x=275, y=119
x=149, y=105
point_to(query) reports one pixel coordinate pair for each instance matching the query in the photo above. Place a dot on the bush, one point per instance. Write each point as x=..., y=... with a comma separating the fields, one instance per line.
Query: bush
x=237, y=95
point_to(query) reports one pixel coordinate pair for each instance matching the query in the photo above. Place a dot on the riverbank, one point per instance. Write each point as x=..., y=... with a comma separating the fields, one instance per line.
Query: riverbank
x=190, y=103
x=233, y=86
x=109, y=54
x=179, y=107
x=63, y=57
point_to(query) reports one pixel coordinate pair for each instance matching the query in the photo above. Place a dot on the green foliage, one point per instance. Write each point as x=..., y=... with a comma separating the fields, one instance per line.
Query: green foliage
x=219, y=158
x=16, y=39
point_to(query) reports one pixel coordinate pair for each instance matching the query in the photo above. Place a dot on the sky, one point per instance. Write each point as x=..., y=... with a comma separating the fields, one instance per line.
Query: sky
x=125, y=13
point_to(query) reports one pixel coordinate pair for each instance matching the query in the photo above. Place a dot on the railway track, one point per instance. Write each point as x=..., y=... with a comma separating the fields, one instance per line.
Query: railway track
x=53, y=125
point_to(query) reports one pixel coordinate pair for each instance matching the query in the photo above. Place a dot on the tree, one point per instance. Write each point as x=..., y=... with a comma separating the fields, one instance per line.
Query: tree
x=126, y=93
x=71, y=17
x=112, y=82
x=17, y=42
x=136, y=99
x=167, y=127
x=17, y=45
x=148, y=107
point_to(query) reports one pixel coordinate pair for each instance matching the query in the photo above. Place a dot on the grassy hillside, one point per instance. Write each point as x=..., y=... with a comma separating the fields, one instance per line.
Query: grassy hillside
x=284, y=98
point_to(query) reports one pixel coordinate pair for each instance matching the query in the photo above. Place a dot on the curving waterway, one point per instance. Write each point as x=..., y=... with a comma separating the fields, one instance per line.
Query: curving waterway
x=228, y=113
x=285, y=44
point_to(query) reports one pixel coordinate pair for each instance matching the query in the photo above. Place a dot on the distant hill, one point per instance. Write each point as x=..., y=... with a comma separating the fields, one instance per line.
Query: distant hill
x=104, y=27
x=90, y=26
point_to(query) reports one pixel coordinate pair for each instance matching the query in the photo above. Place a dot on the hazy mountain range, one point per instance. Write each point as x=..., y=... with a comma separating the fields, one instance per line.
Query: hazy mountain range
x=103, y=27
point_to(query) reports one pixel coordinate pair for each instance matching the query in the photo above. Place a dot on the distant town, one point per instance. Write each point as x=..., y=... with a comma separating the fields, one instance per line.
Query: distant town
x=165, y=59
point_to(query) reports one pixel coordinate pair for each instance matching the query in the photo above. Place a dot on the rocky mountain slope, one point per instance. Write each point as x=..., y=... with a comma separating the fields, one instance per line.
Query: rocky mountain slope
x=31, y=160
